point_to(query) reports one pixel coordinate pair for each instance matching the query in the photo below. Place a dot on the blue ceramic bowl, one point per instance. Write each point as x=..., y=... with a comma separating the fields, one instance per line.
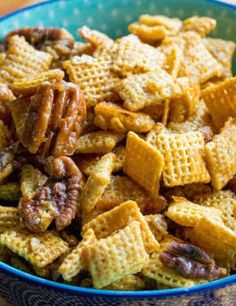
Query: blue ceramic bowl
x=112, y=17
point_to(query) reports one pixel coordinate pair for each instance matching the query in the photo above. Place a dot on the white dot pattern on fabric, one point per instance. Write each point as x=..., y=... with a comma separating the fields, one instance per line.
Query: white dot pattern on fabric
x=152, y=6
x=40, y=24
x=26, y=15
x=89, y=20
x=114, y=12
x=65, y=23
x=180, y=12
x=62, y=4
x=104, y=27
x=51, y=14
x=100, y=6
x=76, y=12
x=128, y=18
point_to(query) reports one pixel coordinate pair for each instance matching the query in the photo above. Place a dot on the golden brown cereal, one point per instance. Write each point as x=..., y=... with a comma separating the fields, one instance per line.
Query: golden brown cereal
x=158, y=225
x=138, y=158
x=113, y=220
x=201, y=25
x=9, y=218
x=109, y=116
x=142, y=90
x=223, y=51
x=130, y=283
x=10, y=192
x=221, y=97
x=198, y=61
x=152, y=135
x=184, y=107
x=97, y=182
x=183, y=158
x=32, y=179
x=154, y=28
x=224, y=200
x=219, y=240
x=117, y=256
x=22, y=60
x=26, y=86
x=78, y=258
x=39, y=249
x=188, y=214
x=95, y=38
x=122, y=189
x=6, y=96
x=94, y=78
x=133, y=56
x=98, y=142
x=174, y=57
x=221, y=155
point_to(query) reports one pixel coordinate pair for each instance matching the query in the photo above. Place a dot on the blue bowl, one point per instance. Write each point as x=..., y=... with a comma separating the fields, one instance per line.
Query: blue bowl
x=112, y=17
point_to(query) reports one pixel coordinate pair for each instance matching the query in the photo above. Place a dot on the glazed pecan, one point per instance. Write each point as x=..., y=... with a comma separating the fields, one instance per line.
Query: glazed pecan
x=54, y=119
x=7, y=160
x=58, y=199
x=190, y=261
x=38, y=37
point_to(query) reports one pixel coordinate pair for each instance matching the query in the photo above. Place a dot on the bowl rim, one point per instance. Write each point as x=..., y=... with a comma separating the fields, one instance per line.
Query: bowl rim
x=163, y=293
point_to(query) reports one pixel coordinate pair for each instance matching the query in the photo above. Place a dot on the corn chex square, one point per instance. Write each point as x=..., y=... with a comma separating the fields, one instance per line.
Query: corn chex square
x=221, y=155
x=143, y=163
x=183, y=158
x=117, y=256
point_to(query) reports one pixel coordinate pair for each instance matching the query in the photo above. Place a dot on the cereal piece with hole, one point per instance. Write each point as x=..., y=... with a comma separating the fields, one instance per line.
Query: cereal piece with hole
x=99, y=142
x=152, y=88
x=183, y=158
x=117, y=218
x=221, y=97
x=223, y=51
x=9, y=218
x=39, y=249
x=221, y=155
x=117, y=256
x=77, y=260
x=188, y=214
x=138, y=158
x=26, y=85
x=202, y=25
x=22, y=60
x=94, y=78
x=97, y=182
x=132, y=56
x=109, y=116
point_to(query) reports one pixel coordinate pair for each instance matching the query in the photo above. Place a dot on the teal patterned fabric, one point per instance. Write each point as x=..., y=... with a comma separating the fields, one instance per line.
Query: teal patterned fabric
x=112, y=17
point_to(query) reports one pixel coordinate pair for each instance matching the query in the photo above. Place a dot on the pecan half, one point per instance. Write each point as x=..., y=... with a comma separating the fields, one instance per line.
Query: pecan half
x=58, y=199
x=7, y=163
x=190, y=261
x=54, y=119
x=39, y=36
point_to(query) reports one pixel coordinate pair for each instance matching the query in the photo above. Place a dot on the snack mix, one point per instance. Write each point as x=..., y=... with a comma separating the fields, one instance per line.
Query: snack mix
x=118, y=157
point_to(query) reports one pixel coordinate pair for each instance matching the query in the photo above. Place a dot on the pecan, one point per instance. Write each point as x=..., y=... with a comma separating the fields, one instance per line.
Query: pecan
x=54, y=119
x=39, y=36
x=7, y=163
x=190, y=261
x=58, y=199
